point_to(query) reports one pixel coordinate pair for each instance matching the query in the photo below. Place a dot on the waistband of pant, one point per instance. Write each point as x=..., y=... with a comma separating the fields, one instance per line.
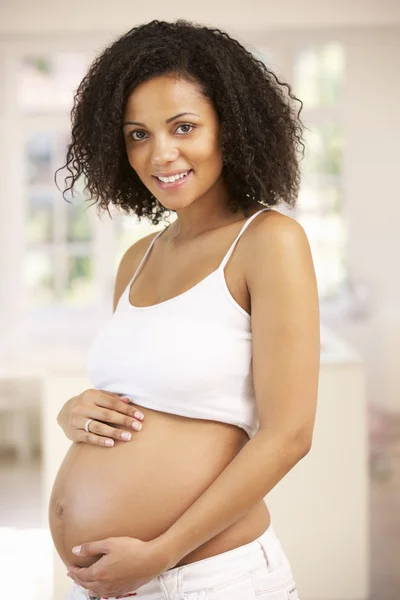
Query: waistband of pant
x=211, y=571
x=214, y=570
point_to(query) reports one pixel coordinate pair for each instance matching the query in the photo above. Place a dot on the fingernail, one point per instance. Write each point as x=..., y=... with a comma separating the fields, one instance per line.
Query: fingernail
x=109, y=442
x=136, y=425
x=126, y=435
x=138, y=415
x=76, y=549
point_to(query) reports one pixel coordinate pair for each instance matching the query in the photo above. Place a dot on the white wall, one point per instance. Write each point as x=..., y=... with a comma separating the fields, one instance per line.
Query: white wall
x=373, y=91
x=23, y=16
x=373, y=203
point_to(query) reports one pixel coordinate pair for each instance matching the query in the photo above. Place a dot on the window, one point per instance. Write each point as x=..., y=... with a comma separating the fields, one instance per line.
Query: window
x=45, y=82
x=59, y=235
x=318, y=80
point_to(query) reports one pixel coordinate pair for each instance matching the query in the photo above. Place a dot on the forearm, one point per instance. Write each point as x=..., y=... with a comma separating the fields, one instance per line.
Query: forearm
x=251, y=475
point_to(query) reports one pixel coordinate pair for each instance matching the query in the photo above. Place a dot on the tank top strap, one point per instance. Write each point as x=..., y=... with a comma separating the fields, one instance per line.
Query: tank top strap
x=136, y=273
x=231, y=249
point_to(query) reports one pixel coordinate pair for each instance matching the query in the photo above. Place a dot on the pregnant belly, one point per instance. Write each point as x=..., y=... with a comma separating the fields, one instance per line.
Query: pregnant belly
x=141, y=487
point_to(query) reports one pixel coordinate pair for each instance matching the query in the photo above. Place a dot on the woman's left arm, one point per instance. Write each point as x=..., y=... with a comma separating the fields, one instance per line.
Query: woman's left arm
x=286, y=360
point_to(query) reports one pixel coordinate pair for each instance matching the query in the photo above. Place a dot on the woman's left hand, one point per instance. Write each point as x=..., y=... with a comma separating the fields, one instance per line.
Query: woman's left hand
x=126, y=564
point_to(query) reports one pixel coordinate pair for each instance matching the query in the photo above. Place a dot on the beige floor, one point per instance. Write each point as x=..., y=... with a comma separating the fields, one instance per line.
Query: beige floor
x=25, y=543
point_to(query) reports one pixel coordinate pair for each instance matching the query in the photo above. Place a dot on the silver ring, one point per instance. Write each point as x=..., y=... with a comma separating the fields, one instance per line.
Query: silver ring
x=87, y=425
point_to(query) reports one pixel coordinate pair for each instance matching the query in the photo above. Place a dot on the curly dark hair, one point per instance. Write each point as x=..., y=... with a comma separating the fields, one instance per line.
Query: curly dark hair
x=260, y=129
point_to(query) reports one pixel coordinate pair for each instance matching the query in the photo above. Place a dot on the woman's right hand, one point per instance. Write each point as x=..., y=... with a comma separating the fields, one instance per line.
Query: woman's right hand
x=107, y=410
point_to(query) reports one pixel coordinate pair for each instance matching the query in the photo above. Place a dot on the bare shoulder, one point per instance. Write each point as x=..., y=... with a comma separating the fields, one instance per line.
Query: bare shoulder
x=129, y=263
x=275, y=223
x=277, y=244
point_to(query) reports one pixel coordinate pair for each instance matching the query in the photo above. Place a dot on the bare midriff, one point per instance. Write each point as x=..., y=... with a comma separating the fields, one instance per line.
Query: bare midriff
x=141, y=487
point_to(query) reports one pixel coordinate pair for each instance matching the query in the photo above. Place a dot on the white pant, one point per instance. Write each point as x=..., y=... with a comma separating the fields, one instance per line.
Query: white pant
x=259, y=570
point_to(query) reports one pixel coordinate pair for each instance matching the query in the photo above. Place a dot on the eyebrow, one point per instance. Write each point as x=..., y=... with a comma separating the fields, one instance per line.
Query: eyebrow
x=167, y=120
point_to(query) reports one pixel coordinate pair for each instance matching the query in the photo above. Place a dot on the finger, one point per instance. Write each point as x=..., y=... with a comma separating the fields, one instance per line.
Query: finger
x=109, y=432
x=115, y=395
x=91, y=438
x=115, y=418
x=93, y=549
x=110, y=400
x=93, y=573
x=118, y=405
x=106, y=417
x=82, y=577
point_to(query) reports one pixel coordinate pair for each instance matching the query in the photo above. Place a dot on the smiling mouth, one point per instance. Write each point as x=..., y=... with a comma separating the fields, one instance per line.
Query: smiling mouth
x=177, y=183
x=174, y=180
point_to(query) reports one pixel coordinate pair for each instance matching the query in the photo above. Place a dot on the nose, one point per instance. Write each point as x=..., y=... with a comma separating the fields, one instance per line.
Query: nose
x=164, y=151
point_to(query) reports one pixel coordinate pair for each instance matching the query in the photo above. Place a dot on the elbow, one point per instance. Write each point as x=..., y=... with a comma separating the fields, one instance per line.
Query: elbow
x=303, y=442
x=305, y=449
x=300, y=442
x=297, y=444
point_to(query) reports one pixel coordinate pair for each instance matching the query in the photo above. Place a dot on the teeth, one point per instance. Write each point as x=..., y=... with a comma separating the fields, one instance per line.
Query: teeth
x=173, y=178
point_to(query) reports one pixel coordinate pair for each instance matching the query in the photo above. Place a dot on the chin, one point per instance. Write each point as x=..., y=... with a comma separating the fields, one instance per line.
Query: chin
x=174, y=206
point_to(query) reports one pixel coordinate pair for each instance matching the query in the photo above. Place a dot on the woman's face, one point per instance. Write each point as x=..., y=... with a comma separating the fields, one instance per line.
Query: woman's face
x=161, y=141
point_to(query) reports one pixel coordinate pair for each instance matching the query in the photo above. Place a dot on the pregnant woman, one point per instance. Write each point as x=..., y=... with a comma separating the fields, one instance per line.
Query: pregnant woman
x=205, y=377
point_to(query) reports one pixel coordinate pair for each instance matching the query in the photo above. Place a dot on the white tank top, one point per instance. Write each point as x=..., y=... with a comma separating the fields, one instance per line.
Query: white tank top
x=190, y=355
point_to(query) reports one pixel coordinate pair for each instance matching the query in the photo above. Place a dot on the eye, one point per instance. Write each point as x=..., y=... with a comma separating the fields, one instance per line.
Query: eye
x=186, y=125
x=140, y=131
x=131, y=134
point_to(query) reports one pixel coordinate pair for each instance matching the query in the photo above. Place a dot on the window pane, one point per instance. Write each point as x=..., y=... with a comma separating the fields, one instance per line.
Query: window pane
x=39, y=275
x=39, y=157
x=48, y=82
x=327, y=237
x=40, y=218
x=319, y=75
x=128, y=230
x=78, y=222
x=324, y=196
x=324, y=150
x=80, y=288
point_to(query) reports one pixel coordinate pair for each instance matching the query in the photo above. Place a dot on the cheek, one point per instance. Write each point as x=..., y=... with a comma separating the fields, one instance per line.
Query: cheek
x=214, y=161
x=207, y=152
x=135, y=159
